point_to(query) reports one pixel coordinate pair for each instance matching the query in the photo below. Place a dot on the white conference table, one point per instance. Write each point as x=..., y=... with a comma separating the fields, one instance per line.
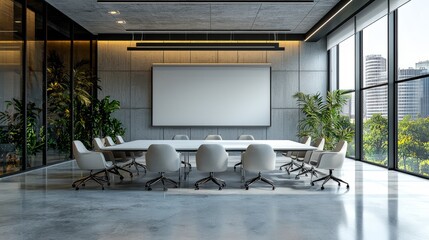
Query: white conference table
x=193, y=145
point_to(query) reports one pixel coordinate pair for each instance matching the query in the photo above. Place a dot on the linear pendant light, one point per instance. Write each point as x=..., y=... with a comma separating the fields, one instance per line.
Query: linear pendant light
x=208, y=1
x=207, y=46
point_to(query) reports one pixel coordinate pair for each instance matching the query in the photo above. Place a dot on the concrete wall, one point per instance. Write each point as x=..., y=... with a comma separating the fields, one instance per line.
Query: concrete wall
x=126, y=76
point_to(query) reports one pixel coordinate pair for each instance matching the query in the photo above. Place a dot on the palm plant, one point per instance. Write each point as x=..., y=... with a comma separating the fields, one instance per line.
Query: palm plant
x=14, y=119
x=323, y=118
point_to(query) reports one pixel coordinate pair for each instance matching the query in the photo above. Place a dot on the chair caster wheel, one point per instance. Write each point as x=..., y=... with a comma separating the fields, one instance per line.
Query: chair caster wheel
x=223, y=185
x=312, y=183
x=197, y=188
x=274, y=188
x=234, y=169
x=348, y=186
x=77, y=188
x=102, y=188
x=83, y=184
x=339, y=184
x=108, y=184
x=247, y=188
x=165, y=189
x=73, y=185
x=176, y=186
x=149, y=189
x=131, y=175
x=280, y=168
x=220, y=188
x=297, y=177
x=322, y=188
x=121, y=177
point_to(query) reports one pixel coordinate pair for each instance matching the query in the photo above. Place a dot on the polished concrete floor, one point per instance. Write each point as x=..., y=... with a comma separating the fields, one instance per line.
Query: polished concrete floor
x=380, y=204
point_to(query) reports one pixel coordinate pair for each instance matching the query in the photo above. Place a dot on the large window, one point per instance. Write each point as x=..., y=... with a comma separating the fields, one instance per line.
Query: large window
x=43, y=87
x=11, y=105
x=413, y=88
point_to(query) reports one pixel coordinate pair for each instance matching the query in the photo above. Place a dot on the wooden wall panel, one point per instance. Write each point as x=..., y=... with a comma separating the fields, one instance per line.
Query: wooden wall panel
x=204, y=56
x=177, y=56
x=143, y=60
x=113, y=55
x=227, y=56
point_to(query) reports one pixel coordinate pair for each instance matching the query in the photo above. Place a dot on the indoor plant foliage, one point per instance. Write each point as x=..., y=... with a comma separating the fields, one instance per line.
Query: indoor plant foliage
x=14, y=119
x=323, y=118
x=86, y=107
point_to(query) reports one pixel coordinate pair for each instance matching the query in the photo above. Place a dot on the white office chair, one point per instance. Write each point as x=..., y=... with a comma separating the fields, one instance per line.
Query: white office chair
x=319, y=144
x=92, y=161
x=295, y=154
x=330, y=161
x=213, y=137
x=186, y=161
x=133, y=155
x=109, y=156
x=243, y=137
x=211, y=158
x=258, y=158
x=162, y=158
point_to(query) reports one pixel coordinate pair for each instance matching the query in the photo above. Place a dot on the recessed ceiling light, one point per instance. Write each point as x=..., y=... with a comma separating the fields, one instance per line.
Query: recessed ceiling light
x=18, y=21
x=121, y=22
x=114, y=12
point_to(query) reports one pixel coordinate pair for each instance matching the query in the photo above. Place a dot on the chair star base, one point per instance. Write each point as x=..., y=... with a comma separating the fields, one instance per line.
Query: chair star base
x=161, y=179
x=136, y=165
x=92, y=176
x=221, y=183
x=288, y=166
x=258, y=178
x=327, y=178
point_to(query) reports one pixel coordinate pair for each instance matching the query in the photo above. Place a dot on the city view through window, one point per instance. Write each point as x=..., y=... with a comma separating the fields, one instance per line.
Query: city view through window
x=412, y=90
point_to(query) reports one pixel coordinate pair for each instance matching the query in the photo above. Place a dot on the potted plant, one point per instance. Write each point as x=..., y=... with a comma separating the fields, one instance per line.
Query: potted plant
x=323, y=118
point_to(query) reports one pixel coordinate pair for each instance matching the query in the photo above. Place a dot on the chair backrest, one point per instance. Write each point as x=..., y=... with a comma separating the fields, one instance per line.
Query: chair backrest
x=259, y=157
x=211, y=158
x=98, y=144
x=246, y=137
x=213, y=137
x=336, y=159
x=109, y=141
x=119, y=139
x=180, y=137
x=341, y=147
x=87, y=160
x=319, y=143
x=306, y=140
x=162, y=158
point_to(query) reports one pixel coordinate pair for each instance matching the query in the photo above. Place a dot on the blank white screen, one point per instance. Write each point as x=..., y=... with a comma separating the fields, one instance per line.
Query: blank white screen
x=211, y=95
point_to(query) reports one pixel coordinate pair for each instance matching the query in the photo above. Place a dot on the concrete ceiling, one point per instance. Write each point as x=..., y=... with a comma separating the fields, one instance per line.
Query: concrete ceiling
x=94, y=16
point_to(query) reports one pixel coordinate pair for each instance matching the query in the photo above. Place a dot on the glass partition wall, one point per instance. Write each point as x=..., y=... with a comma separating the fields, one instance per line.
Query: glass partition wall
x=392, y=97
x=38, y=53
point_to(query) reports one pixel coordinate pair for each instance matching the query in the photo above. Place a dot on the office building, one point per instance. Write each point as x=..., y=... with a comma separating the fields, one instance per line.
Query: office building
x=83, y=69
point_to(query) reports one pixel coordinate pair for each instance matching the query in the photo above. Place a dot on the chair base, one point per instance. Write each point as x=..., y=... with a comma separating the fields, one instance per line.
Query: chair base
x=115, y=170
x=258, y=178
x=305, y=171
x=161, y=179
x=288, y=166
x=136, y=165
x=329, y=177
x=219, y=182
x=93, y=176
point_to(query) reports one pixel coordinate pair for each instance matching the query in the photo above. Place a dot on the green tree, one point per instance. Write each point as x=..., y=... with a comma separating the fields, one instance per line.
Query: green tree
x=375, y=140
x=413, y=143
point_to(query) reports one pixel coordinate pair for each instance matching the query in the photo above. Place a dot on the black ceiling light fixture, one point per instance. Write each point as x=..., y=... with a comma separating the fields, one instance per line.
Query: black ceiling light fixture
x=206, y=46
x=207, y=1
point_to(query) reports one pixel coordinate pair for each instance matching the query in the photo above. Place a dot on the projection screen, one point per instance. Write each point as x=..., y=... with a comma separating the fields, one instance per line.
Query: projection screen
x=211, y=95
